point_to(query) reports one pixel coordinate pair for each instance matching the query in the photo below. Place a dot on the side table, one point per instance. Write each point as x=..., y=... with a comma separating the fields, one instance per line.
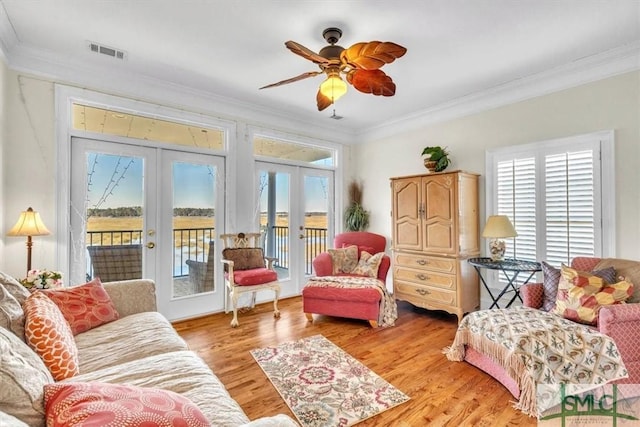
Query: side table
x=511, y=268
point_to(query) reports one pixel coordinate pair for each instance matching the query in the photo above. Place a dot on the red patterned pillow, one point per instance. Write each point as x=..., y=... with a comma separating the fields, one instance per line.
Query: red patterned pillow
x=85, y=306
x=580, y=295
x=49, y=334
x=101, y=404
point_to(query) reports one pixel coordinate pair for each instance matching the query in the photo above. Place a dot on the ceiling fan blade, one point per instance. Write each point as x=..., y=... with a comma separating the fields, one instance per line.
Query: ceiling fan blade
x=323, y=101
x=293, y=79
x=375, y=82
x=306, y=53
x=371, y=55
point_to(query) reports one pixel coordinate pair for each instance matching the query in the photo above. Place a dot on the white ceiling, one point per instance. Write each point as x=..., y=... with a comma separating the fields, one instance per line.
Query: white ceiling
x=456, y=49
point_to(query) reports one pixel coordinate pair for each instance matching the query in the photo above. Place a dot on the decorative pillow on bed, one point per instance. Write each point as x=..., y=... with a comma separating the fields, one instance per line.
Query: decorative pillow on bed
x=48, y=334
x=552, y=278
x=344, y=260
x=368, y=264
x=580, y=295
x=245, y=258
x=84, y=307
x=100, y=404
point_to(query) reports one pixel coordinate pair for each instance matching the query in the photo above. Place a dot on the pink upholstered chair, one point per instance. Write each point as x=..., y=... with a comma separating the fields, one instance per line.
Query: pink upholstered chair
x=619, y=321
x=356, y=303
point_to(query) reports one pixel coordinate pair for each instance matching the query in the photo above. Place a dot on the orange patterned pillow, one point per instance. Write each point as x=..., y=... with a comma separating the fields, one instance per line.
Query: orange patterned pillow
x=580, y=295
x=101, y=404
x=85, y=306
x=49, y=334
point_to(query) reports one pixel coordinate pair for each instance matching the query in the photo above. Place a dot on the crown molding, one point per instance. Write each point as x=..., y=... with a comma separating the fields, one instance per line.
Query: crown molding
x=141, y=87
x=584, y=70
x=8, y=37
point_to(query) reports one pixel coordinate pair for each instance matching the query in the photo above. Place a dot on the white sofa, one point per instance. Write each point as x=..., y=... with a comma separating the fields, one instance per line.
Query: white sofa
x=141, y=348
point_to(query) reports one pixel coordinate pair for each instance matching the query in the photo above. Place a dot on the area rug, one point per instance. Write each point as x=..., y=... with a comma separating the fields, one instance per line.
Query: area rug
x=323, y=385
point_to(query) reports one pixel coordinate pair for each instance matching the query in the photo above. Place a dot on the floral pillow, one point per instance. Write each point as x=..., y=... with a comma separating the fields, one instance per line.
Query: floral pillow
x=580, y=295
x=551, y=278
x=368, y=264
x=344, y=260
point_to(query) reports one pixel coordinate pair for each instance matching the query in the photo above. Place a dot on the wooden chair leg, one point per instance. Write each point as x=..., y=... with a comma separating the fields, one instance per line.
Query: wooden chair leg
x=276, y=312
x=309, y=317
x=234, y=299
x=373, y=323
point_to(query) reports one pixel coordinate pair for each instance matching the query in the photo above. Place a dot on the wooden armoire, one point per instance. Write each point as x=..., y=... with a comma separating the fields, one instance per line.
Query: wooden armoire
x=435, y=230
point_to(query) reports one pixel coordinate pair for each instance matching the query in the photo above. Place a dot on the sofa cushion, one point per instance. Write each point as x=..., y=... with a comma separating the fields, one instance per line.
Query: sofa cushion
x=126, y=339
x=368, y=264
x=551, y=278
x=11, y=314
x=244, y=258
x=23, y=376
x=84, y=307
x=49, y=334
x=100, y=404
x=344, y=260
x=580, y=295
x=257, y=276
x=627, y=269
x=182, y=372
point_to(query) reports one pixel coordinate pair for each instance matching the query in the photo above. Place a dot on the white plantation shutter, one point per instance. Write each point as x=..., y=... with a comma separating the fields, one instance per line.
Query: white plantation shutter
x=551, y=191
x=570, y=206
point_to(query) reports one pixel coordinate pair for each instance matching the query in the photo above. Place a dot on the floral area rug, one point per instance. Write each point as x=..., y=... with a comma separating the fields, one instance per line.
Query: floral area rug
x=323, y=385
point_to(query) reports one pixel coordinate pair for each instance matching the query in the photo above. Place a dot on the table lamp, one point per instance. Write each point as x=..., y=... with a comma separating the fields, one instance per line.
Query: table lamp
x=497, y=228
x=29, y=224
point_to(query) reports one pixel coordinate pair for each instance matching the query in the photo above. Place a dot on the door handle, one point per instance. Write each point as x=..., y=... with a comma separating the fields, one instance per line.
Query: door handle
x=151, y=245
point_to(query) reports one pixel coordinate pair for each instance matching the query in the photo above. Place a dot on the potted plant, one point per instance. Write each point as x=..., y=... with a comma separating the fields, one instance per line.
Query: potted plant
x=436, y=158
x=355, y=217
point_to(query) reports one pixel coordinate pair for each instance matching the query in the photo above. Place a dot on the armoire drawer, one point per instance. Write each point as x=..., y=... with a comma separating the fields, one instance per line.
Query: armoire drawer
x=443, y=265
x=417, y=293
x=425, y=277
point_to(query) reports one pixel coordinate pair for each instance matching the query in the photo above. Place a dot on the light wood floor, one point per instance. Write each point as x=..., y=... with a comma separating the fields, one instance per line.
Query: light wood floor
x=409, y=356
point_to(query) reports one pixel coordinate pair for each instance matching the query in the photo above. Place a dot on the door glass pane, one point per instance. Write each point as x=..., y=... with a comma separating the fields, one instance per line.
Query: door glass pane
x=114, y=216
x=274, y=218
x=193, y=228
x=316, y=208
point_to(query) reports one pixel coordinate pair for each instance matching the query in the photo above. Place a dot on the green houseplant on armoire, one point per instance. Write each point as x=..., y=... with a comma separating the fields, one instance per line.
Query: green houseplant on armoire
x=356, y=218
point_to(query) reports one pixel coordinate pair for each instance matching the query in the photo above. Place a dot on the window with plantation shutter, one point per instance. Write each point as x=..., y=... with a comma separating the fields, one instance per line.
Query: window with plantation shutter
x=552, y=192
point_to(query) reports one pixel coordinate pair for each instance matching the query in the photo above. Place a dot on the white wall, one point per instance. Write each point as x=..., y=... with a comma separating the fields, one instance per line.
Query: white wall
x=612, y=103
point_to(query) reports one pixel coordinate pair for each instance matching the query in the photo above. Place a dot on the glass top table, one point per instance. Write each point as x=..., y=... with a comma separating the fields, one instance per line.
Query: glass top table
x=511, y=268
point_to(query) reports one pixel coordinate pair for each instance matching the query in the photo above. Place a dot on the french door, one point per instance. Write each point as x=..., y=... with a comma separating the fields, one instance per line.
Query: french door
x=296, y=212
x=151, y=213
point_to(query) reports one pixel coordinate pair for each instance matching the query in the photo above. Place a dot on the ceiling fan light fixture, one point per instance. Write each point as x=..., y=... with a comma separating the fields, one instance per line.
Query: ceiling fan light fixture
x=333, y=87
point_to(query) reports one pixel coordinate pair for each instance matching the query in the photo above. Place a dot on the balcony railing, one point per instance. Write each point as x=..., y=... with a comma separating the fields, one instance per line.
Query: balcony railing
x=192, y=244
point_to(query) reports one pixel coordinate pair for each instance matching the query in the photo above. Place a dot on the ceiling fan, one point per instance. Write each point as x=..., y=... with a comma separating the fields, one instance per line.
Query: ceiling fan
x=360, y=64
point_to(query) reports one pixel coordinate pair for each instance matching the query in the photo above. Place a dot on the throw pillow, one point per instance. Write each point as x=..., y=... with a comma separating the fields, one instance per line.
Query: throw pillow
x=368, y=264
x=15, y=288
x=629, y=270
x=84, y=307
x=344, y=260
x=23, y=376
x=101, y=404
x=551, y=278
x=49, y=334
x=361, y=249
x=245, y=258
x=11, y=314
x=580, y=295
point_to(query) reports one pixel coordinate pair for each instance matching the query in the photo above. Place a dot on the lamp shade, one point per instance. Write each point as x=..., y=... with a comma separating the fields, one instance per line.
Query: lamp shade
x=499, y=226
x=29, y=224
x=333, y=87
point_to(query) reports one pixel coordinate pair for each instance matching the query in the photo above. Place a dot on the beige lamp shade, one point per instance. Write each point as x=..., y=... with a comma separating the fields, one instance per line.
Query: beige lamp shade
x=499, y=226
x=29, y=224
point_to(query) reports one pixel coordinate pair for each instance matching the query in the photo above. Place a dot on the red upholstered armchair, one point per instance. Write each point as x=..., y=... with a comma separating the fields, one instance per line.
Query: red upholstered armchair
x=353, y=303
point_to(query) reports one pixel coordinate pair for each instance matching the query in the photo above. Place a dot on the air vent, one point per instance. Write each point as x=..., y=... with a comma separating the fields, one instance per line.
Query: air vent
x=107, y=51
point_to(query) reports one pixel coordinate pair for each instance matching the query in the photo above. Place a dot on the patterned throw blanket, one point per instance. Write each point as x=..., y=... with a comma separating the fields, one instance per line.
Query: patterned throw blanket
x=536, y=347
x=388, y=308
